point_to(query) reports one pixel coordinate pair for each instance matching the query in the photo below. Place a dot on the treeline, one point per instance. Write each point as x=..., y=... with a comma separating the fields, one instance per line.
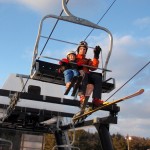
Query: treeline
x=136, y=143
x=90, y=141
x=84, y=140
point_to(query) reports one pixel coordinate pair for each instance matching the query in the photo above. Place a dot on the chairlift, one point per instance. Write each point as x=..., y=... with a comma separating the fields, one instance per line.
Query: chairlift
x=47, y=72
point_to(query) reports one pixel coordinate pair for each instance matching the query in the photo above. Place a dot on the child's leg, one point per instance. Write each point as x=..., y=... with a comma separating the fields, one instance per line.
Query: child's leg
x=68, y=84
x=75, y=72
x=68, y=75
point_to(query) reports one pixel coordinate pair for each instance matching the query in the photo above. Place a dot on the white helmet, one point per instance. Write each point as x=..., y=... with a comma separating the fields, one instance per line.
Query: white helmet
x=70, y=52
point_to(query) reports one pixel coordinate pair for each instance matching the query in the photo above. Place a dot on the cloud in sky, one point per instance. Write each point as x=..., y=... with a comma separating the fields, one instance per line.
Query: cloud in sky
x=143, y=22
x=128, y=51
x=38, y=5
x=44, y=7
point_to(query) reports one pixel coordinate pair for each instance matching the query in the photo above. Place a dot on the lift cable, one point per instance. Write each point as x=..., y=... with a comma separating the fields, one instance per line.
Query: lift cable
x=52, y=31
x=100, y=19
x=129, y=80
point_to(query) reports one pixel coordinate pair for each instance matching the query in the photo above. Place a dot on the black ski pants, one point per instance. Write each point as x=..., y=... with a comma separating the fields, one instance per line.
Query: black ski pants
x=95, y=79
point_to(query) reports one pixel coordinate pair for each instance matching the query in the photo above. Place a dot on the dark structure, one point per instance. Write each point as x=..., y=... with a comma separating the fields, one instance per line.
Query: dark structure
x=30, y=119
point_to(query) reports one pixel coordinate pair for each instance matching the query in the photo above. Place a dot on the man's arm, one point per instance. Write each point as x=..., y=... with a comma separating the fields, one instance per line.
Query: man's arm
x=95, y=61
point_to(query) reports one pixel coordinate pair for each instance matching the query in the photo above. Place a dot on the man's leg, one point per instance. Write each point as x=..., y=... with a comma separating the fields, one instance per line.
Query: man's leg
x=82, y=87
x=96, y=80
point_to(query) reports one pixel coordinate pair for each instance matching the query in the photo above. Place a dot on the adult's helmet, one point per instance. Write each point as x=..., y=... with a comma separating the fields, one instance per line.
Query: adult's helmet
x=82, y=44
x=70, y=52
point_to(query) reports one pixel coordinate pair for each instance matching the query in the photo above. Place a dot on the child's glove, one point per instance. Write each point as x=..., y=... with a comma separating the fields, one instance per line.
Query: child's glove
x=64, y=60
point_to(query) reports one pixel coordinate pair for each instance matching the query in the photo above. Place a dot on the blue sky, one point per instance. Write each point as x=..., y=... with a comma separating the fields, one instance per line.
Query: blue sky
x=129, y=22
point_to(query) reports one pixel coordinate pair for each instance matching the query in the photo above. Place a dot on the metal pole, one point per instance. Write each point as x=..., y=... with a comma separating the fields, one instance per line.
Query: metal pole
x=76, y=63
x=128, y=143
x=11, y=144
x=128, y=138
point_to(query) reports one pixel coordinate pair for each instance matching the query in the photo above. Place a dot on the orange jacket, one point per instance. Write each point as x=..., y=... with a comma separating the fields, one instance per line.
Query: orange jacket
x=89, y=62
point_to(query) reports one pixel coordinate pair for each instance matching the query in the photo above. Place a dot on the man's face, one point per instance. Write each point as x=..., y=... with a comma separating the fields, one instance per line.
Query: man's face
x=82, y=50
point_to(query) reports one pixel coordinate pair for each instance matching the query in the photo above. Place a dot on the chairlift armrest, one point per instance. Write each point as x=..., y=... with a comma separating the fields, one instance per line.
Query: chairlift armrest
x=113, y=80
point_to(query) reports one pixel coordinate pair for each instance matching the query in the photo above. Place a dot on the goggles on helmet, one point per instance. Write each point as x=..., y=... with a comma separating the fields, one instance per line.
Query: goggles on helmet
x=82, y=44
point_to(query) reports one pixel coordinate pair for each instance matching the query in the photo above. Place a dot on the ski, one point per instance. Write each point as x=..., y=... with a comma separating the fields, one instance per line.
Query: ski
x=83, y=116
x=76, y=85
x=73, y=81
x=83, y=107
x=88, y=92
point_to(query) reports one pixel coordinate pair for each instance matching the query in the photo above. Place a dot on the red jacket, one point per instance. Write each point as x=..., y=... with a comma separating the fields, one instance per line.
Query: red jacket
x=89, y=62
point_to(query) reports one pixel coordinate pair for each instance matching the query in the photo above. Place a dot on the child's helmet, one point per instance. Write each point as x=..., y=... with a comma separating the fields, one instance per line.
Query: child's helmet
x=82, y=44
x=70, y=52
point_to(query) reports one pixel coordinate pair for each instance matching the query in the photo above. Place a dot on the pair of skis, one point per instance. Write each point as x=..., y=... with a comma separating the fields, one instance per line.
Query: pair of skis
x=75, y=82
x=77, y=117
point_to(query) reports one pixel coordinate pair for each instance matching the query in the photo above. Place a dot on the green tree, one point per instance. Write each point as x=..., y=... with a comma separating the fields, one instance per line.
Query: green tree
x=119, y=142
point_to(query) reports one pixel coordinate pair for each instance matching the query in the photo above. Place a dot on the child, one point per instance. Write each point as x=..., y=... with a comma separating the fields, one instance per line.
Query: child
x=69, y=67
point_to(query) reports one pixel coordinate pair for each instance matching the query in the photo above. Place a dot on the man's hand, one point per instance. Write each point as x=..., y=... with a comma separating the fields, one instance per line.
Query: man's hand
x=97, y=51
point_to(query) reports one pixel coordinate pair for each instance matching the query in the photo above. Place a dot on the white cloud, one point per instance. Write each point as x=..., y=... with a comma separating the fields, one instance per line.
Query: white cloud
x=44, y=7
x=133, y=127
x=128, y=55
x=143, y=22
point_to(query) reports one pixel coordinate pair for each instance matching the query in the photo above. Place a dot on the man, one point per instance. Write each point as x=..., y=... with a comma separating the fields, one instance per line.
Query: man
x=89, y=77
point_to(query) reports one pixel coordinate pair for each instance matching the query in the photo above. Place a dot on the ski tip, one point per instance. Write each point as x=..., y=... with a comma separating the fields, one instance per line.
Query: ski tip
x=141, y=91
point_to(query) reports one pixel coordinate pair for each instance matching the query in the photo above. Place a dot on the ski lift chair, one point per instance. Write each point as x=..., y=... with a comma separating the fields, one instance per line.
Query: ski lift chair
x=47, y=72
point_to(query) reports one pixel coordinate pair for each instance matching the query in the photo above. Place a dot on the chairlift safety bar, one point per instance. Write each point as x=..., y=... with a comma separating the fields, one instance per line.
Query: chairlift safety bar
x=76, y=63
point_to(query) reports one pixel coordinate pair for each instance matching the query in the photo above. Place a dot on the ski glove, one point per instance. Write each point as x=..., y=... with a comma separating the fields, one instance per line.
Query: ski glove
x=97, y=51
x=64, y=60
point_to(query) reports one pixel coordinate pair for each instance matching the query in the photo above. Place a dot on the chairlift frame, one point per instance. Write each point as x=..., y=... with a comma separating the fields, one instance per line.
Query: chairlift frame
x=35, y=67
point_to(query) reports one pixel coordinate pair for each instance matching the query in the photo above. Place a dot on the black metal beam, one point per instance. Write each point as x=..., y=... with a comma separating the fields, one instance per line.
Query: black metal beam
x=50, y=99
x=43, y=98
x=33, y=111
x=104, y=135
x=51, y=128
x=104, y=120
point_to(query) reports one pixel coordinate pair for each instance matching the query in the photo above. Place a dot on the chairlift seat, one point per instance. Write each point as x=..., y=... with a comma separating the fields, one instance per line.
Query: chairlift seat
x=48, y=72
x=108, y=86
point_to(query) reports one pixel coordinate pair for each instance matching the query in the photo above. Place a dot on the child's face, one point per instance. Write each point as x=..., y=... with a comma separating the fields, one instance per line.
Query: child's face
x=71, y=57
